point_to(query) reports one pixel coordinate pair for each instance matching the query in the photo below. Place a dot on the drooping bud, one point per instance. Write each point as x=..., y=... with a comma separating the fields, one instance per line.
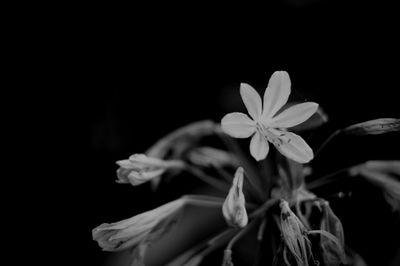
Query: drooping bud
x=234, y=209
x=140, y=168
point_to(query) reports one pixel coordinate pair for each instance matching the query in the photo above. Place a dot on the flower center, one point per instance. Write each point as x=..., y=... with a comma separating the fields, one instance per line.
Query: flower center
x=270, y=134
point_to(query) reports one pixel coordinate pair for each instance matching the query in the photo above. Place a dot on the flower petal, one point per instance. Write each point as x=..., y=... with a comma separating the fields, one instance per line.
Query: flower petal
x=276, y=94
x=293, y=146
x=252, y=100
x=294, y=115
x=237, y=125
x=259, y=147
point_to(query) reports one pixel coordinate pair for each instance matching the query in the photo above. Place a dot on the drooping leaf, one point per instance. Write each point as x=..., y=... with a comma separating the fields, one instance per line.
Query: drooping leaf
x=384, y=174
x=373, y=127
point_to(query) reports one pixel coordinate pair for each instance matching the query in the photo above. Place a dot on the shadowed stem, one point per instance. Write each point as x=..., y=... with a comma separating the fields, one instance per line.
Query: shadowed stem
x=260, y=237
x=263, y=208
x=334, y=134
x=207, y=179
x=249, y=173
x=326, y=179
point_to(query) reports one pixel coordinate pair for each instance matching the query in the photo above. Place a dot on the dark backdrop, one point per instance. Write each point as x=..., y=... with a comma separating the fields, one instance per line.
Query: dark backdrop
x=125, y=76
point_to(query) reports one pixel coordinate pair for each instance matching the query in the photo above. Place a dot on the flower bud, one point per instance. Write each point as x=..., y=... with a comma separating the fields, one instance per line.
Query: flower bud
x=140, y=168
x=234, y=209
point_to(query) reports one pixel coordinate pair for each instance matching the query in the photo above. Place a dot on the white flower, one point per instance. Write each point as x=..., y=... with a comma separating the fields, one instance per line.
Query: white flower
x=266, y=126
x=234, y=209
x=140, y=168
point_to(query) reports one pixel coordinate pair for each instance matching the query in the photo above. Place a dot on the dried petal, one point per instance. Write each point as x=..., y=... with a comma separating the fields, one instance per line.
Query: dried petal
x=294, y=235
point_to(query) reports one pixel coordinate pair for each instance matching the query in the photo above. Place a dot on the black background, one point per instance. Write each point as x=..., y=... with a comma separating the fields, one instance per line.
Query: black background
x=120, y=77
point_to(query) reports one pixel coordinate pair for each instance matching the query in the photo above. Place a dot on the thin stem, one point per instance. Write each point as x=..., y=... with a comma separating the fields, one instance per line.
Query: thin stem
x=235, y=148
x=326, y=179
x=263, y=208
x=334, y=134
x=223, y=173
x=207, y=179
x=239, y=235
x=260, y=237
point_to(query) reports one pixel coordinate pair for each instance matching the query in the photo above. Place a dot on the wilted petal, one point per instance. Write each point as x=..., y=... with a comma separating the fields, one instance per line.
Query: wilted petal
x=234, y=209
x=252, y=100
x=259, y=146
x=238, y=125
x=293, y=147
x=294, y=115
x=133, y=231
x=276, y=94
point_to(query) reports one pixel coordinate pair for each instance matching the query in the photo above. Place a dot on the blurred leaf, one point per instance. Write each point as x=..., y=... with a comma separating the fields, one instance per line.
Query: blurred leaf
x=354, y=258
x=181, y=139
x=209, y=156
x=384, y=174
x=333, y=249
x=374, y=127
x=316, y=120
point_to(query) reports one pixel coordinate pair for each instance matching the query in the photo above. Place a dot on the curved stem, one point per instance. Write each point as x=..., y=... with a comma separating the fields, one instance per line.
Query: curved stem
x=250, y=173
x=334, y=134
x=263, y=208
x=207, y=179
x=239, y=235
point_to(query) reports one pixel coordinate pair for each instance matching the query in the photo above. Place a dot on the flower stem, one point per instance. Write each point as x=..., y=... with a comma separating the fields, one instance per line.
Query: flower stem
x=326, y=179
x=334, y=134
x=250, y=173
x=207, y=179
x=240, y=234
x=263, y=208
